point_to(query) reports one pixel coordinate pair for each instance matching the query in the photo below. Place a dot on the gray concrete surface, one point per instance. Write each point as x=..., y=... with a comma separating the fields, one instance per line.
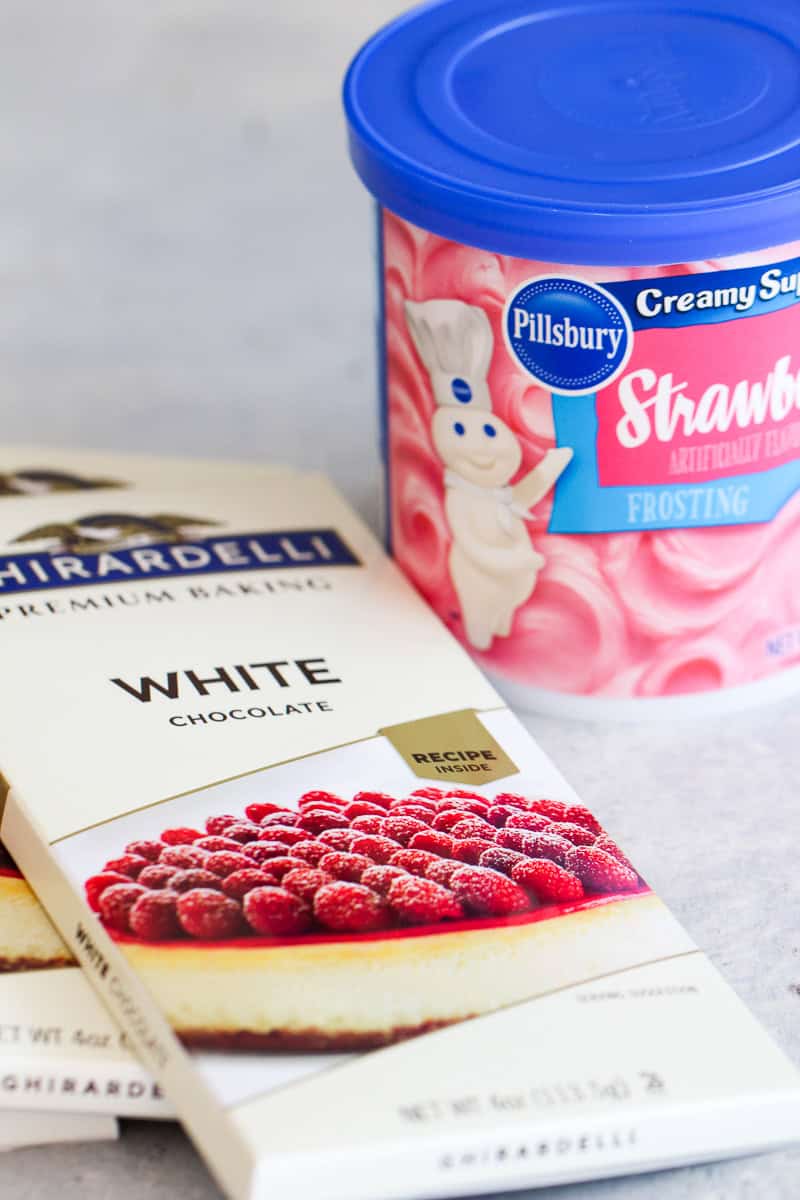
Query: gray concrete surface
x=178, y=216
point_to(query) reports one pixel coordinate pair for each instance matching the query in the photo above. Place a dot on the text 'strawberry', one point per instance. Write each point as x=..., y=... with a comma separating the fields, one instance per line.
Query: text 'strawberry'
x=418, y=901
x=429, y=793
x=194, y=877
x=283, y=816
x=279, y=866
x=554, y=809
x=276, y=912
x=260, y=851
x=225, y=862
x=579, y=815
x=443, y=870
x=489, y=892
x=305, y=881
x=381, y=877
x=379, y=849
x=182, y=836
x=218, y=843
x=288, y=834
x=154, y=916
x=157, y=875
x=446, y=820
x=414, y=861
x=244, y=831
x=149, y=850
x=500, y=858
x=433, y=840
x=402, y=829
x=207, y=914
x=579, y=835
x=259, y=809
x=338, y=839
x=317, y=820
x=343, y=865
x=601, y=872
x=350, y=908
x=370, y=823
x=116, y=902
x=469, y=850
x=604, y=842
x=418, y=811
x=547, y=880
x=311, y=799
x=310, y=851
x=363, y=808
x=547, y=845
x=382, y=799
x=216, y=826
x=129, y=865
x=183, y=856
x=95, y=886
x=240, y=883
x=473, y=827
x=533, y=822
x=511, y=800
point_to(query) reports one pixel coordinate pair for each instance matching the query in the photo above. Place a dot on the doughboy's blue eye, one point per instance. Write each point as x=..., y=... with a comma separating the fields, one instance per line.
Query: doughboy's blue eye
x=461, y=390
x=490, y=431
x=459, y=428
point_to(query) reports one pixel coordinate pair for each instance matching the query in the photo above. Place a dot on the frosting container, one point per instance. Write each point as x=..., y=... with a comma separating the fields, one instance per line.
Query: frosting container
x=589, y=244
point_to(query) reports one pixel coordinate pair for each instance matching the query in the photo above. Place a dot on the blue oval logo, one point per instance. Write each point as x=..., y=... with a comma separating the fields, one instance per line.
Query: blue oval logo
x=571, y=336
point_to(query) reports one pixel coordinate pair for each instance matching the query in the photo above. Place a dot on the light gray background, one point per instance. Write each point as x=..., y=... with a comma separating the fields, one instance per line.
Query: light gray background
x=185, y=265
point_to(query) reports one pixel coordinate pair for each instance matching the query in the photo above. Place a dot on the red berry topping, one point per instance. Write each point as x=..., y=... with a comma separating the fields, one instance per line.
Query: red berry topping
x=342, y=865
x=402, y=829
x=419, y=901
x=414, y=861
x=280, y=866
x=116, y=903
x=243, y=831
x=129, y=865
x=547, y=845
x=154, y=916
x=433, y=841
x=157, y=875
x=338, y=839
x=382, y=799
x=553, y=809
x=489, y=892
x=473, y=827
x=472, y=808
x=466, y=794
x=225, y=862
x=288, y=834
x=547, y=880
x=305, y=881
x=447, y=820
x=511, y=800
x=443, y=870
x=148, y=850
x=350, y=908
x=498, y=814
x=381, y=878
x=261, y=851
x=282, y=816
x=363, y=808
x=261, y=808
x=95, y=886
x=183, y=856
x=204, y=913
x=514, y=839
x=310, y=851
x=429, y=793
x=194, y=877
x=379, y=849
x=579, y=815
x=499, y=858
x=599, y=871
x=604, y=842
x=276, y=912
x=310, y=799
x=579, y=835
x=218, y=843
x=216, y=826
x=181, y=836
x=533, y=822
x=240, y=883
x=317, y=820
x=418, y=811
x=368, y=824
x=469, y=850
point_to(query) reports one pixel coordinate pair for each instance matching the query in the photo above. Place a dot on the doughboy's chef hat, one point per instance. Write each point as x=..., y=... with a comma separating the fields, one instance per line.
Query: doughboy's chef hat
x=454, y=340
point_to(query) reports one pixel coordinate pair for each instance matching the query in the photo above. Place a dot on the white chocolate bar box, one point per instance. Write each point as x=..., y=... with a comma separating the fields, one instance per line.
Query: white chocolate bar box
x=22, y=1129
x=352, y=918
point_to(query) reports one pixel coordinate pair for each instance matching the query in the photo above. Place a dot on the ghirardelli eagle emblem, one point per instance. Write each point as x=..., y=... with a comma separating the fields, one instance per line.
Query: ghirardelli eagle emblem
x=32, y=481
x=114, y=531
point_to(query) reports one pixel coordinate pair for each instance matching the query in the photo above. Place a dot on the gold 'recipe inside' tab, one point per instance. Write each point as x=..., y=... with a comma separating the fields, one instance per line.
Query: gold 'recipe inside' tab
x=452, y=745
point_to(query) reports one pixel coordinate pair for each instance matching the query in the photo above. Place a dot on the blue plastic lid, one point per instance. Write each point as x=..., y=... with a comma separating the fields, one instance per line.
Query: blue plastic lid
x=593, y=131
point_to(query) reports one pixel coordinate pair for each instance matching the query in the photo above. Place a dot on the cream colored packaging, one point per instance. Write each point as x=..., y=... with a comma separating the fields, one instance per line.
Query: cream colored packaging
x=352, y=918
x=22, y=1129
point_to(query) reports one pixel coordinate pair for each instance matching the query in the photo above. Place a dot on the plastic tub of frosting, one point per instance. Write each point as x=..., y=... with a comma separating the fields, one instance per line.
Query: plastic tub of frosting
x=589, y=236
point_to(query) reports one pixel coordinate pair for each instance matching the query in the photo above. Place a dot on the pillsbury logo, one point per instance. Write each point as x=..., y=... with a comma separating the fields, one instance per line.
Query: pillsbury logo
x=571, y=336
